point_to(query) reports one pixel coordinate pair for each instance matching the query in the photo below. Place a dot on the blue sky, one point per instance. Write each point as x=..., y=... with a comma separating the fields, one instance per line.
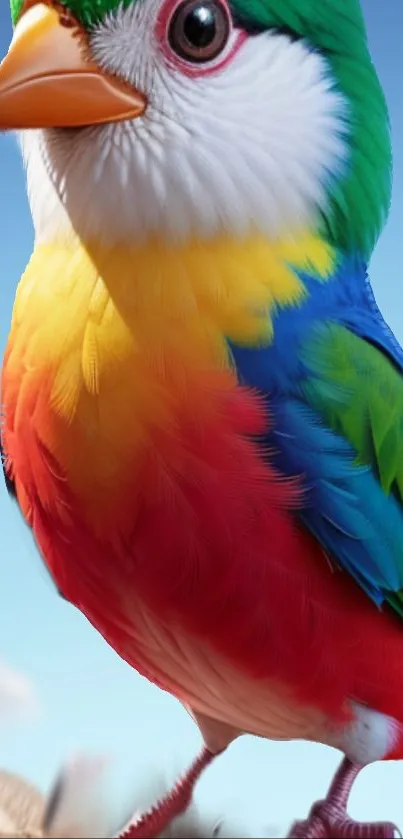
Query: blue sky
x=89, y=698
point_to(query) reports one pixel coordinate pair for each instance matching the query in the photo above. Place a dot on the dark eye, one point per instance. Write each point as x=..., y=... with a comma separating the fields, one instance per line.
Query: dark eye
x=199, y=30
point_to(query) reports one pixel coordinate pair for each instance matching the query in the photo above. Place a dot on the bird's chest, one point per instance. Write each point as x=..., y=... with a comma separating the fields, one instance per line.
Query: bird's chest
x=133, y=448
x=129, y=444
x=125, y=429
x=155, y=542
x=118, y=387
x=110, y=391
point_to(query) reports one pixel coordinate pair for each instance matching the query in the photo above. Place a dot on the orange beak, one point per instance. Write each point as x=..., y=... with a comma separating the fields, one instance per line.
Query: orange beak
x=48, y=81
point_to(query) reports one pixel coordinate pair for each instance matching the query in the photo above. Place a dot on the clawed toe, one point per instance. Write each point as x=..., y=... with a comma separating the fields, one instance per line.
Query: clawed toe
x=328, y=819
x=326, y=822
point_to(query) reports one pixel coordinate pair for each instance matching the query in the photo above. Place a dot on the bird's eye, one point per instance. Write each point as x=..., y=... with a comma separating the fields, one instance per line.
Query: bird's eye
x=199, y=30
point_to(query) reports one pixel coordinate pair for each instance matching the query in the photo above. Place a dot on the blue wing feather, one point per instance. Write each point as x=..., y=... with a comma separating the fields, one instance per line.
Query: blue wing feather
x=344, y=504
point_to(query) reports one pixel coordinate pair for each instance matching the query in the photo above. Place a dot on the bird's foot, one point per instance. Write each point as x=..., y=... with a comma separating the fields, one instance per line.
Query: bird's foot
x=153, y=823
x=326, y=822
x=329, y=818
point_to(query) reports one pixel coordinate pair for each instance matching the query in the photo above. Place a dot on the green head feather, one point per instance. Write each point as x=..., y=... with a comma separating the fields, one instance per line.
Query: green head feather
x=88, y=12
x=359, y=203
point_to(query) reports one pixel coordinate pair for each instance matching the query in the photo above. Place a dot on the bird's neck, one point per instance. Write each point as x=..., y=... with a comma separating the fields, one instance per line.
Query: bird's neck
x=152, y=294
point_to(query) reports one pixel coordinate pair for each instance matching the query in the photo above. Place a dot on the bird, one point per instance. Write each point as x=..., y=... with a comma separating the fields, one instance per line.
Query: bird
x=202, y=404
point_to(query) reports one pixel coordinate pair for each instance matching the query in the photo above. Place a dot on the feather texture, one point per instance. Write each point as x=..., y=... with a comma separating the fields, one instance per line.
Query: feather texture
x=147, y=476
x=358, y=391
x=337, y=404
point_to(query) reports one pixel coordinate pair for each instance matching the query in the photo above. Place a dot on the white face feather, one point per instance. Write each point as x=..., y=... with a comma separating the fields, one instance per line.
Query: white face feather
x=251, y=145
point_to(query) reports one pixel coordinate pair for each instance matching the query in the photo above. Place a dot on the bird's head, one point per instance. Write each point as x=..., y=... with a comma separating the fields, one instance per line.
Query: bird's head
x=195, y=117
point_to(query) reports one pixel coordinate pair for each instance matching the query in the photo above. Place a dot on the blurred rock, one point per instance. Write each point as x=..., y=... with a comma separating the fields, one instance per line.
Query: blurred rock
x=21, y=807
x=78, y=807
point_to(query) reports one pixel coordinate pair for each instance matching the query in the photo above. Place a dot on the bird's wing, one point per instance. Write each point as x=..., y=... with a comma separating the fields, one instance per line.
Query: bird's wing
x=352, y=418
x=340, y=428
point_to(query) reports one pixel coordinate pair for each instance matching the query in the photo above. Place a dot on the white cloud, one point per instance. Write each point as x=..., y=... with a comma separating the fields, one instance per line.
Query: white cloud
x=18, y=698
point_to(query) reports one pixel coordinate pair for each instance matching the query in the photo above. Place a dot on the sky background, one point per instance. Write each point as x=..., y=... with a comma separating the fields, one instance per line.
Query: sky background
x=86, y=697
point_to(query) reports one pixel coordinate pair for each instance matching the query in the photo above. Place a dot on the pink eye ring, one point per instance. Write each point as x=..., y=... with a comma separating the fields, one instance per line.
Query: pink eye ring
x=198, y=30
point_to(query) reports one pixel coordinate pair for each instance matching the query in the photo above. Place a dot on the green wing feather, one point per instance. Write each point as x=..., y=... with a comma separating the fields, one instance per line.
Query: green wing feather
x=358, y=391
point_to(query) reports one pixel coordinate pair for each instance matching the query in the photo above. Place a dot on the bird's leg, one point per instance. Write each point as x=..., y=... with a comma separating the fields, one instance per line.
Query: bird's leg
x=153, y=823
x=329, y=818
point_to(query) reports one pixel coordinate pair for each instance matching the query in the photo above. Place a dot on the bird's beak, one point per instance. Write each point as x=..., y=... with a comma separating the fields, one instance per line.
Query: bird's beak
x=47, y=79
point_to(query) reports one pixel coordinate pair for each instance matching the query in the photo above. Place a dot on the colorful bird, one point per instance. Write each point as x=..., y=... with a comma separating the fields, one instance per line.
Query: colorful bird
x=203, y=406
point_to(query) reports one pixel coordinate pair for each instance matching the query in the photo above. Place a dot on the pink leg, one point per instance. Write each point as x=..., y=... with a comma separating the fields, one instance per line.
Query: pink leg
x=152, y=824
x=329, y=818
